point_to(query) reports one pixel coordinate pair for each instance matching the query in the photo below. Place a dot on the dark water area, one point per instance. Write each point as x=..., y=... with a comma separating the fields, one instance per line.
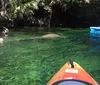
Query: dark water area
x=95, y=42
x=95, y=45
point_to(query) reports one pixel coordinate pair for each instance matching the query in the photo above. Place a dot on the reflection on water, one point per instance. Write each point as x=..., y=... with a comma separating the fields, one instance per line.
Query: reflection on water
x=94, y=41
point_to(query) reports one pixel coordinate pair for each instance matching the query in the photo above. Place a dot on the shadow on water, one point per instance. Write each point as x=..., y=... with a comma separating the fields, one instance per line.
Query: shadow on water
x=95, y=43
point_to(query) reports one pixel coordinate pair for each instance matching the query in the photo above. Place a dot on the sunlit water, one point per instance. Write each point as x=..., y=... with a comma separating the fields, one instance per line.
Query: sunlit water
x=25, y=60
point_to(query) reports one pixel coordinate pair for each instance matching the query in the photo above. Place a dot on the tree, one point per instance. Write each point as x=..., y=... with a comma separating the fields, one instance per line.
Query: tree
x=48, y=11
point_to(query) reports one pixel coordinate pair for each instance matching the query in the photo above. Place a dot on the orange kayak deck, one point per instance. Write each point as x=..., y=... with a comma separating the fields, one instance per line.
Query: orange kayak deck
x=76, y=73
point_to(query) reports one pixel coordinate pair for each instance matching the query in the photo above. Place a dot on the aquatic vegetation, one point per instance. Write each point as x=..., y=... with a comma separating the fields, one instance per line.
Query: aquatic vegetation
x=34, y=62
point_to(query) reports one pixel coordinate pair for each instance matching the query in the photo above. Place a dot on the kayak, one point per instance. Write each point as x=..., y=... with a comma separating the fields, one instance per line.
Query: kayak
x=72, y=74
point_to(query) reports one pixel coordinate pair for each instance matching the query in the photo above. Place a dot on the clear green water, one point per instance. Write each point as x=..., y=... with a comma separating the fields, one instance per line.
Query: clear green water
x=28, y=61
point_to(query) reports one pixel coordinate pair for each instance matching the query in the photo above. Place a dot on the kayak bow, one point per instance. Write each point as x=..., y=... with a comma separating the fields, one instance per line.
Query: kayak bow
x=72, y=71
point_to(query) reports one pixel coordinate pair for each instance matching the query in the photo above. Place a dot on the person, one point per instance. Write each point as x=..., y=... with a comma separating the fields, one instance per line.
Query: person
x=5, y=31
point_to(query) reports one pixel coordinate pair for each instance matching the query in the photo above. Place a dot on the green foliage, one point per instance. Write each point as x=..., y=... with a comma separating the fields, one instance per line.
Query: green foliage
x=33, y=4
x=26, y=7
x=17, y=6
x=13, y=7
x=86, y=12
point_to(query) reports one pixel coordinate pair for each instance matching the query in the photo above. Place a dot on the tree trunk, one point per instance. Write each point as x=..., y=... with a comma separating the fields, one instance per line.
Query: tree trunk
x=48, y=15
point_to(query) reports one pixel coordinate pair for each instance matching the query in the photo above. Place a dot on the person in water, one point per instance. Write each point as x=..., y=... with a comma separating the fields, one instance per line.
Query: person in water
x=5, y=31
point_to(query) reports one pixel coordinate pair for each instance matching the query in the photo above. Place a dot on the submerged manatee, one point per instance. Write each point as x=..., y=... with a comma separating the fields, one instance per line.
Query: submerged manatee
x=51, y=36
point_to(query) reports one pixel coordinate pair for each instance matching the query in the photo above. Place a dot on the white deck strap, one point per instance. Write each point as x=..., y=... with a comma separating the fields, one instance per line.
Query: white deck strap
x=71, y=71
